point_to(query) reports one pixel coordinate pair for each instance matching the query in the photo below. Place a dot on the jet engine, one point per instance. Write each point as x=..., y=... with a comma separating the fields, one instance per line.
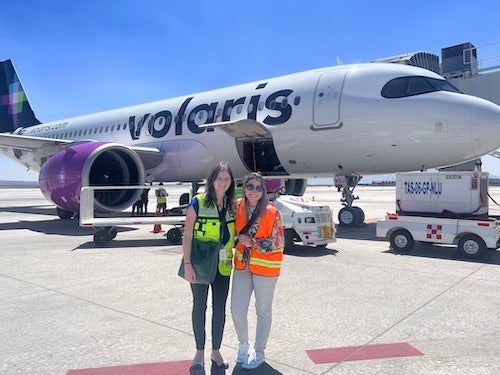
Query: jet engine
x=92, y=164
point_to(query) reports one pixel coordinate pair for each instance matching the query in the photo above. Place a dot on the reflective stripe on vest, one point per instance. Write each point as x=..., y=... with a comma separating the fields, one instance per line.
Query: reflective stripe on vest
x=207, y=227
x=263, y=264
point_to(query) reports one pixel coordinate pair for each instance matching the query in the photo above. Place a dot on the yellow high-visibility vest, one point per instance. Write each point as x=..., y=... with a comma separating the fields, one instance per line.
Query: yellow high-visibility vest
x=207, y=227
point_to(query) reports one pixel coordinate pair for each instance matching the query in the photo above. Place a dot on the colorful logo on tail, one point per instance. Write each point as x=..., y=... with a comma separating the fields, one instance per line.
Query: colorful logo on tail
x=15, y=99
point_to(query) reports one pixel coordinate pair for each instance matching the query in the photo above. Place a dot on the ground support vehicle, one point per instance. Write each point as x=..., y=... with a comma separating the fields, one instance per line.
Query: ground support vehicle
x=105, y=226
x=305, y=221
x=472, y=236
x=442, y=208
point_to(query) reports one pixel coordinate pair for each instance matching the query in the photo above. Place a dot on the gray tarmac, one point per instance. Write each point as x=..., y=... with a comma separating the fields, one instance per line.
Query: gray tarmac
x=70, y=307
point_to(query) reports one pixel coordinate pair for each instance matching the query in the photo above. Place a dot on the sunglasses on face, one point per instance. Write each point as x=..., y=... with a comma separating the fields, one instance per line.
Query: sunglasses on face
x=259, y=188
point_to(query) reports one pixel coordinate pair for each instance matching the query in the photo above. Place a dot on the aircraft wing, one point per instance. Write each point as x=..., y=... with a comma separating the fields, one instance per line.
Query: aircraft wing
x=26, y=143
x=242, y=129
x=31, y=151
x=495, y=153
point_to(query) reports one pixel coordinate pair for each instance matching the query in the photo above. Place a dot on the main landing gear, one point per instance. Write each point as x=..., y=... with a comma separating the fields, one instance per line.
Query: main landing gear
x=65, y=215
x=350, y=216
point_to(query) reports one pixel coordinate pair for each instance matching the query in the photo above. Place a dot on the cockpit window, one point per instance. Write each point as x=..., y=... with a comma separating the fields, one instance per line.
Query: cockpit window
x=415, y=85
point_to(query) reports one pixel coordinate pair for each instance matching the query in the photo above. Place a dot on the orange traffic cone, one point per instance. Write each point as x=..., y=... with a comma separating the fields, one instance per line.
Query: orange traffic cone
x=157, y=227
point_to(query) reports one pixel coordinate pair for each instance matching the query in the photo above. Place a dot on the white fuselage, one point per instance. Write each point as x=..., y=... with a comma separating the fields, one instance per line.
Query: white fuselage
x=320, y=122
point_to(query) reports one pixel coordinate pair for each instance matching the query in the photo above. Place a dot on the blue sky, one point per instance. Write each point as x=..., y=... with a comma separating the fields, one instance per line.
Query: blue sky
x=75, y=58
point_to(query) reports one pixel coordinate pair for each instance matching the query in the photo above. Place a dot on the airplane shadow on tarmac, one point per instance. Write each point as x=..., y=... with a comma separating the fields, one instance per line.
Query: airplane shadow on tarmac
x=309, y=252
x=54, y=226
x=139, y=243
x=48, y=226
x=36, y=210
x=364, y=232
x=427, y=250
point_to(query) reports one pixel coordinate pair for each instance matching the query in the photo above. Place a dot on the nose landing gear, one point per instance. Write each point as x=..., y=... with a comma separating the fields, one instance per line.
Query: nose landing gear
x=350, y=216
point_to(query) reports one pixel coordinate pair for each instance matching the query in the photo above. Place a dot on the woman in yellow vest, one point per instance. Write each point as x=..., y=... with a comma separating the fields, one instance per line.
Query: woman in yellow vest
x=257, y=263
x=210, y=217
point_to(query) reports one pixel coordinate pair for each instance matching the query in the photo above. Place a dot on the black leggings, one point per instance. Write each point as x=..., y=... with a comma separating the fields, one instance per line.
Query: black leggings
x=220, y=290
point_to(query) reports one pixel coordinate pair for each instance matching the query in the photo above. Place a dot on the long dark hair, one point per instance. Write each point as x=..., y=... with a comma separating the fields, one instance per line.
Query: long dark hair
x=263, y=201
x=211, y=198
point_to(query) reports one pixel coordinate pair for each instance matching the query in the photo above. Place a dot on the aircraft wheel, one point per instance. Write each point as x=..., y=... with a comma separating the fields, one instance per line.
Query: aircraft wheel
x=472, y=246
x=174, y=235
x=101, y=238
x=402, y=241
x=361, y=215
x=112, y=232
x=63, y=214
x=348, y=217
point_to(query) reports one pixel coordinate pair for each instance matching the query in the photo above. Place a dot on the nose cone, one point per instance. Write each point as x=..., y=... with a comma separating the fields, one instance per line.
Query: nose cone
x=485, y=126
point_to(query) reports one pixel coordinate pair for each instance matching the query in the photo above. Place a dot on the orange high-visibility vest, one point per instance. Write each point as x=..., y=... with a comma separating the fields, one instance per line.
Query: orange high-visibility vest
x=262, y=264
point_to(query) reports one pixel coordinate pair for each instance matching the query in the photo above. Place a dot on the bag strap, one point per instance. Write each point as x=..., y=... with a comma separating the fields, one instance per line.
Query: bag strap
x=223, y=225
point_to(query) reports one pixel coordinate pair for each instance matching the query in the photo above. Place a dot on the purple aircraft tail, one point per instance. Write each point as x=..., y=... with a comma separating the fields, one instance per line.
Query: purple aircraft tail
x=15, y=109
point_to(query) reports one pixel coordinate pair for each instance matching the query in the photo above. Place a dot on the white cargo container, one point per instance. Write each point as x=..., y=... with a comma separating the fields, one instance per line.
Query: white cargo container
x=442, y=208
x=438, y=192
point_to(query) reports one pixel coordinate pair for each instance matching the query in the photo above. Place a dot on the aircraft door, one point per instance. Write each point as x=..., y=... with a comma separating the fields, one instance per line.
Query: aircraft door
x=260, y=156
x=326, y=111
x=255, y=146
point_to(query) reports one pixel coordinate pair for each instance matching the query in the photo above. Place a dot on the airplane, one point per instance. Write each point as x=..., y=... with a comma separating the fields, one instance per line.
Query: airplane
x=344, y=121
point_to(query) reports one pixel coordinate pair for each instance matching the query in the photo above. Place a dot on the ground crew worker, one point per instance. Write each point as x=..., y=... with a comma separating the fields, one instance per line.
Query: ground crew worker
x=145, y=200
x=161, y=199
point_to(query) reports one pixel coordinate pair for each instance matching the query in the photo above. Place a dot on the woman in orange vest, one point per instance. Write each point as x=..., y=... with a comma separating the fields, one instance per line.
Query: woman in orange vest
x=257, y=264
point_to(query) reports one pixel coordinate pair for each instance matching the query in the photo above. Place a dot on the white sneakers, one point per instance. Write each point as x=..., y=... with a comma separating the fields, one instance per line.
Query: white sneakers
x=242, y=355
x=255, y=359
x=249, y=361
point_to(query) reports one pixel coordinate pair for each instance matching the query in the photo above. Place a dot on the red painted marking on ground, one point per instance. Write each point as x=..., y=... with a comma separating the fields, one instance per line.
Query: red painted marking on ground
x=359, y=353
x=162, y=368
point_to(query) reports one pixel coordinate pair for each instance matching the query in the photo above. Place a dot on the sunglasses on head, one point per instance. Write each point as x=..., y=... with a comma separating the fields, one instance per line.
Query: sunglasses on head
x=259, y=188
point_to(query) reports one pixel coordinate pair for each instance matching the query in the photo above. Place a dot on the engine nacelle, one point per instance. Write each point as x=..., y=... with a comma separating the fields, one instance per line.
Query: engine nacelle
x=92, y=164
x=295, y=186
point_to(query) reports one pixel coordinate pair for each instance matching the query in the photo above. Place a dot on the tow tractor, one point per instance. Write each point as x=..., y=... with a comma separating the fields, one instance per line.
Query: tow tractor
x=442, y=208
x=304, y=220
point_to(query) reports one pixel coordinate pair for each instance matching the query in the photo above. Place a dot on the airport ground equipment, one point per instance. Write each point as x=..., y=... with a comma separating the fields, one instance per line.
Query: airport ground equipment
x=105, y=226
x=305, y=221
x=442, y=208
